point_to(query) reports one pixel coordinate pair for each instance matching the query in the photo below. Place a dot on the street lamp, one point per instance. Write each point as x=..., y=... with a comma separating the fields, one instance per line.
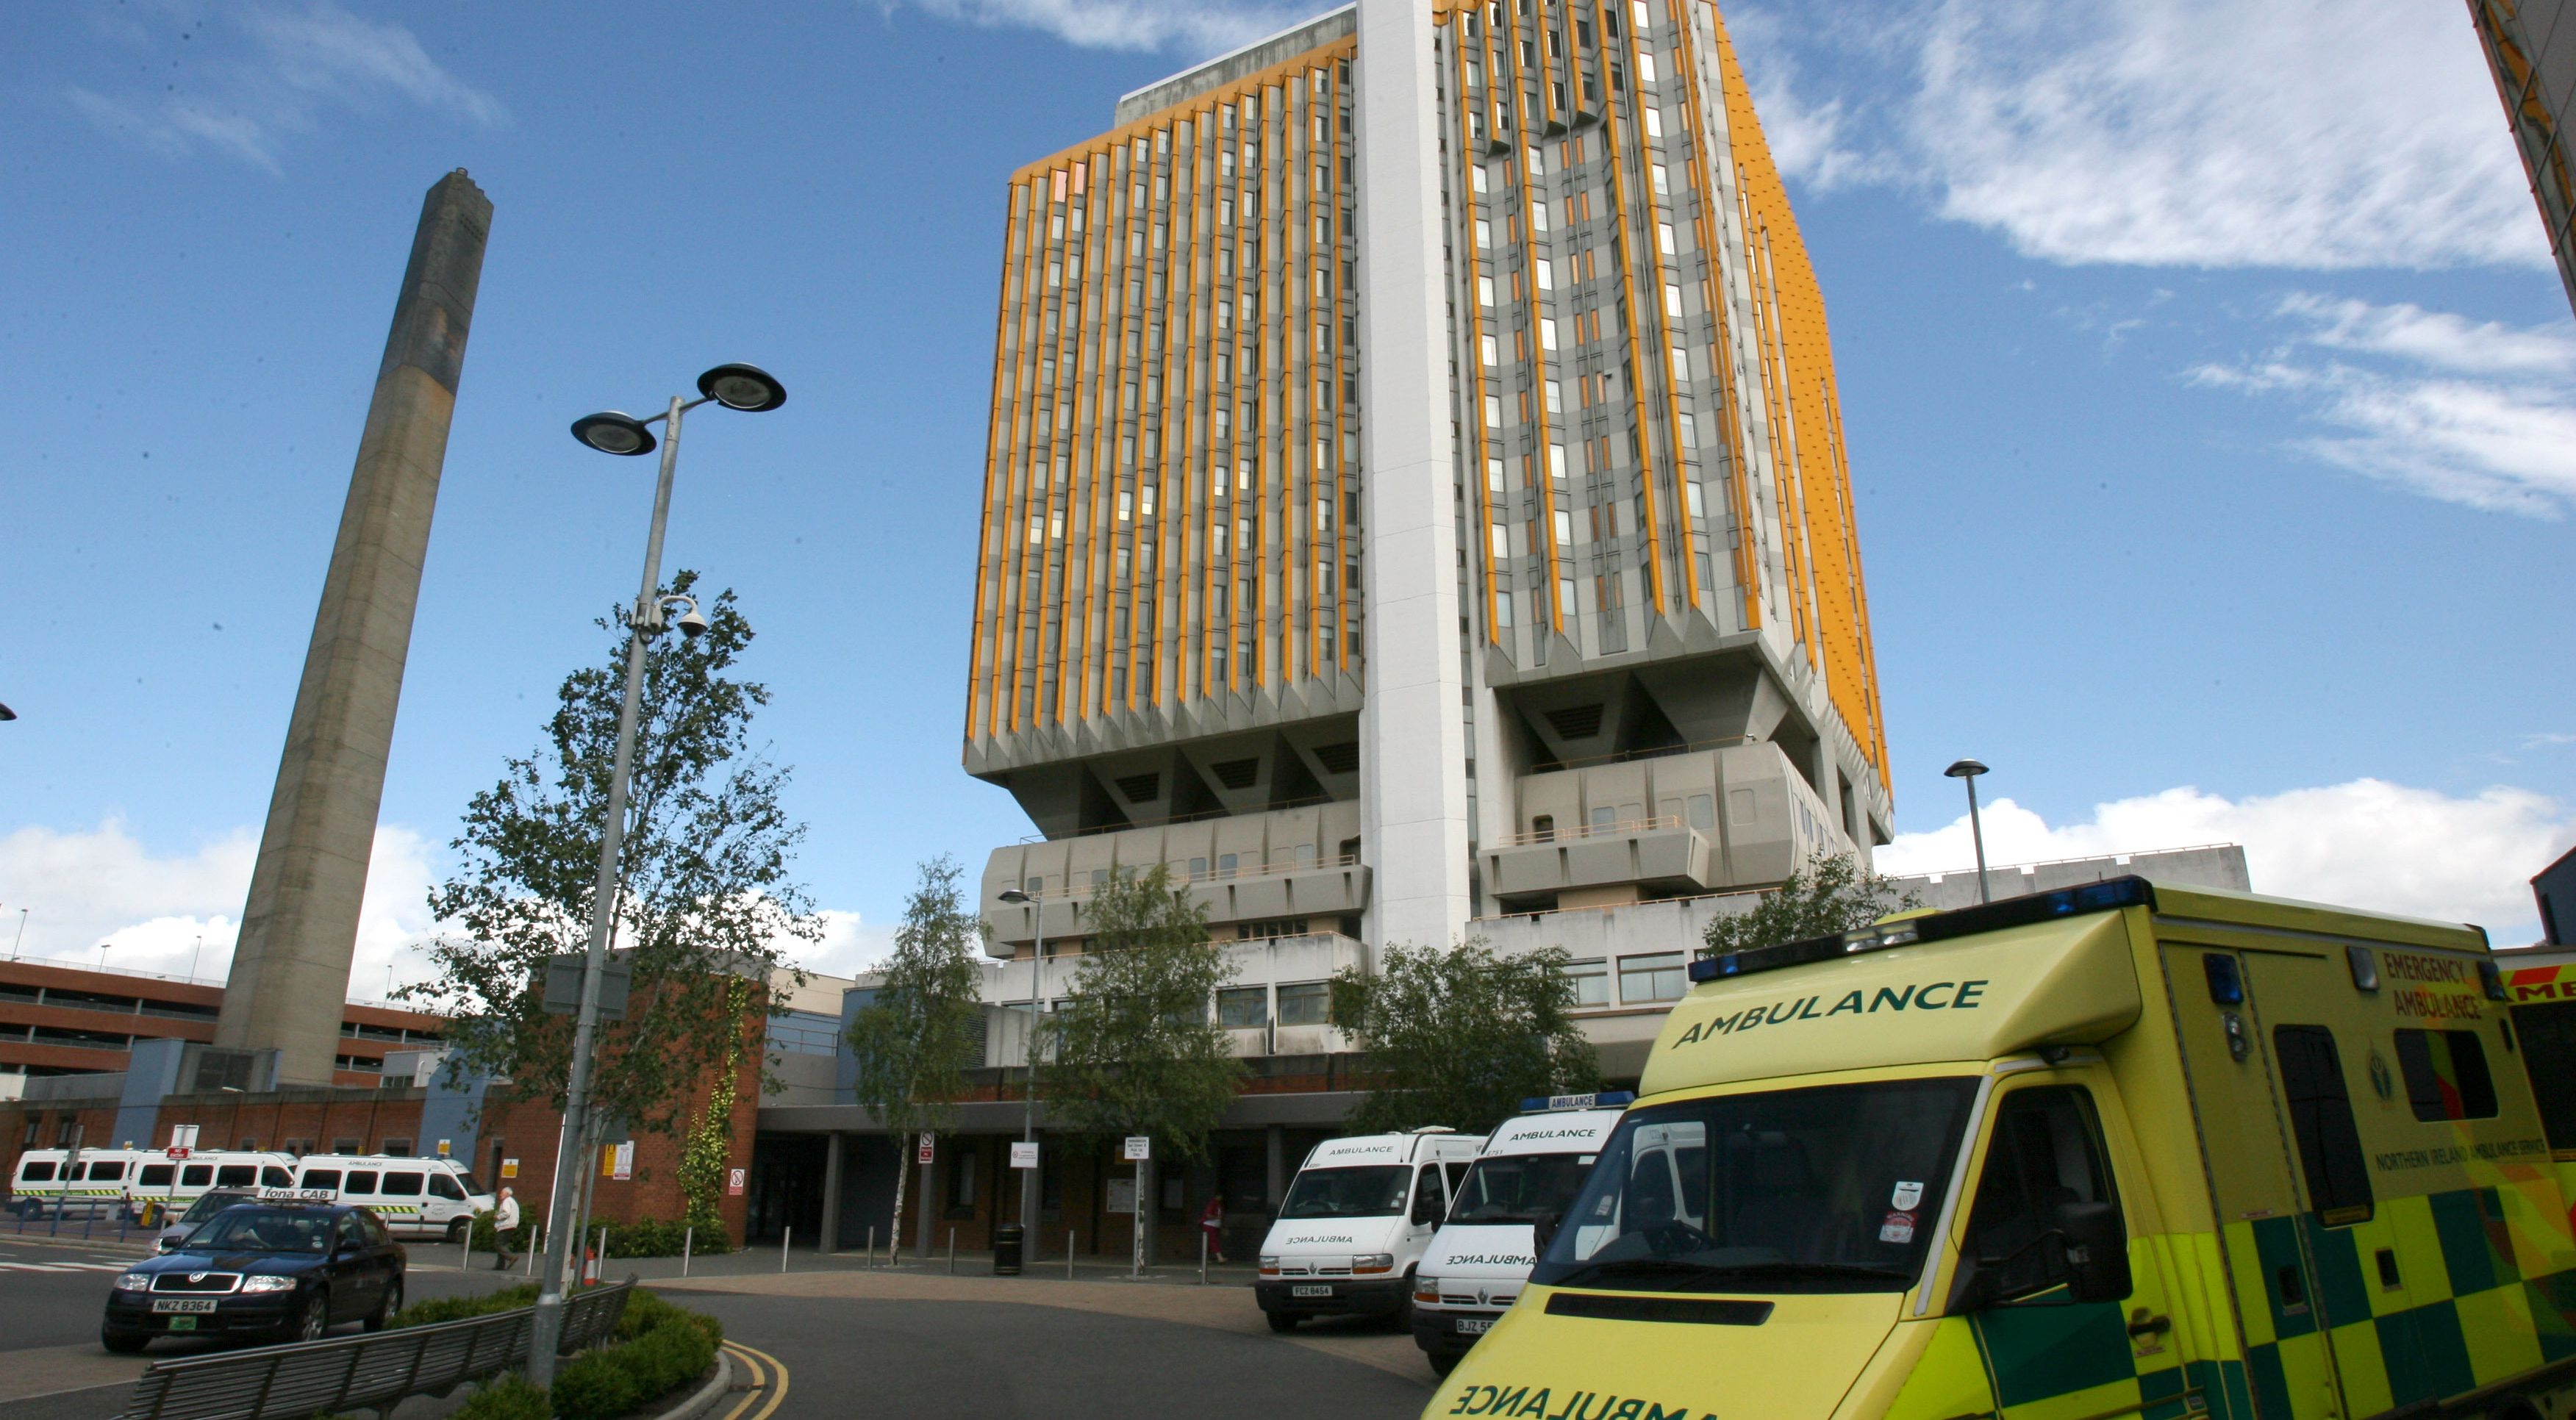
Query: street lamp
x=1969, y=769
x=751, y=390
x=1029, y=1051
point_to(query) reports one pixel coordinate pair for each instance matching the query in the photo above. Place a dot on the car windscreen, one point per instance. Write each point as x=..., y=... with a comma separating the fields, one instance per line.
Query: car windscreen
x=1520, y=1188
x=1833, y=1188
x=1370, y=1192
x=264, y=1230
x=208, y=1205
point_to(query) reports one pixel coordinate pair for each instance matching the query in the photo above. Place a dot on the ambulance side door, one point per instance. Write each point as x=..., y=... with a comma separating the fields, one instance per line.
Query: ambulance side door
x=2060, y=1140
x=2287, y=1363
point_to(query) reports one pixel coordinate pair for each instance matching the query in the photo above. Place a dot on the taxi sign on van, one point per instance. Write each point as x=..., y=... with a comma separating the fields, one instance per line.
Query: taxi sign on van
x=298, y=1195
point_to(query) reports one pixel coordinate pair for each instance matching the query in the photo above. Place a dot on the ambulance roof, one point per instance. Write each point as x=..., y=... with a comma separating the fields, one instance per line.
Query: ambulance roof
x=1982, y=982
x=1564, y=1131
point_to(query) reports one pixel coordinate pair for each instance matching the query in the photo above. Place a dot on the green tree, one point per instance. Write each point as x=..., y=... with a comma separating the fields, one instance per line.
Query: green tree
x=1836, y=895
x=1136, y=1050
x=917, y=1038
x=707, y=902
x=1460, y=1036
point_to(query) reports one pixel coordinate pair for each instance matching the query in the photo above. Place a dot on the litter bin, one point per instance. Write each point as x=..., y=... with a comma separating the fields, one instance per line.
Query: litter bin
x=1008, y=1239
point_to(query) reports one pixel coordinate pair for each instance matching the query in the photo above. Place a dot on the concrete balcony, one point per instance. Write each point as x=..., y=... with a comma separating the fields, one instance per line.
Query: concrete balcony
x=1273, y=871
x=1661, y=856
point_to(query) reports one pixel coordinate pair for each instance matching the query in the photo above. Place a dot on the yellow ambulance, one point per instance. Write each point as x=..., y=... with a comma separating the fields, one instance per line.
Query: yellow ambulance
x=2124, y=1149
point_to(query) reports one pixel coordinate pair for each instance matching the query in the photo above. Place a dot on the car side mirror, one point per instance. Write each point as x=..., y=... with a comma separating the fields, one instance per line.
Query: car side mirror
x=1543, y=1231
x=2097, y=1251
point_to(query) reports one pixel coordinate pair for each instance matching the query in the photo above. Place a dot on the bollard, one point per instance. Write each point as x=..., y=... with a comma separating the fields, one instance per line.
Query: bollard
x=467, y=1265
x=536, y=1244
x=599, y=1262
x=783, y=1237
x=952, y=1252
x=89, y=1219
x=872, y=1247
x=686, y=1238
x=1202, y=1257
x=1069, y=1251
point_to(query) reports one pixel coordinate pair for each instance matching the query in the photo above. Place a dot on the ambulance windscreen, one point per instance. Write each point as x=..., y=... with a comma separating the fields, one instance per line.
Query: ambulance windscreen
x=1520, y=1188
x=1372, y=1191
x=1836, y=1188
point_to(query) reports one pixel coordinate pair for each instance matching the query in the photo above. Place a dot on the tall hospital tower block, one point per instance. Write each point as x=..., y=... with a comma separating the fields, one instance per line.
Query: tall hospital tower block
x=1416, y=489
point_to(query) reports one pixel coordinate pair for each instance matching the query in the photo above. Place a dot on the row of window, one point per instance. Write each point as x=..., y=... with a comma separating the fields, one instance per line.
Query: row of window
x=1644, y=979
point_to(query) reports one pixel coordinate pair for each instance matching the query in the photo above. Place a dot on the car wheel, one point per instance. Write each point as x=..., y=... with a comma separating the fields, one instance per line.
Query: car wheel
x=1442, y=1363
x=385, y=1309
x=124, y=1343
x=1280, y=1321
x=315, y=1319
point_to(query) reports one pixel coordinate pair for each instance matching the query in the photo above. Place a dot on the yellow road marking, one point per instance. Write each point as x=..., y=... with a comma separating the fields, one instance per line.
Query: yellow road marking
x=777, y=1393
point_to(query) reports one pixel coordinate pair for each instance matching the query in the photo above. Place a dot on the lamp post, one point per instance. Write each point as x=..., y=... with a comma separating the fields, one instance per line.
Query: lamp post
x=740, y=387
x=1969, y=769
x=1029, y=1050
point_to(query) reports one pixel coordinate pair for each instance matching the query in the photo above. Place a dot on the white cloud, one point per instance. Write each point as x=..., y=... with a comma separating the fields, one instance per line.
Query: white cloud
x=1178, y=26
x=301, y=59
x=2368, y=843
x=2300, y=133
x=2479, y=414
x=2433, y=338
x=83, y=888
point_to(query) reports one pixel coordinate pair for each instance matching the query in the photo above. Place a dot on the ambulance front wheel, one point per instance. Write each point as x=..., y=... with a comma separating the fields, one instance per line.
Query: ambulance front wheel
x=1403, y=1314
x=1280, y=1321
x=1442, y=1362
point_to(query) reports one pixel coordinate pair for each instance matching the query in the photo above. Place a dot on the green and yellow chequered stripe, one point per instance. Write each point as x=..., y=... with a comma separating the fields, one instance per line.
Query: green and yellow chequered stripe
x=2436, y=1295
x=2476, y=1300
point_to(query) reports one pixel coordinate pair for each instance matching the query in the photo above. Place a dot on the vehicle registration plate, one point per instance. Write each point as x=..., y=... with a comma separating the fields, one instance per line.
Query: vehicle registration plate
x=1310, y=1291
x=1475, y=1325
x=183, y=1304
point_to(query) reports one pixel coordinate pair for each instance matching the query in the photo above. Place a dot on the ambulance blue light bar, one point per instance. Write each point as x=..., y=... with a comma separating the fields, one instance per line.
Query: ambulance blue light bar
x=1605, y=1099
x=2106, y=896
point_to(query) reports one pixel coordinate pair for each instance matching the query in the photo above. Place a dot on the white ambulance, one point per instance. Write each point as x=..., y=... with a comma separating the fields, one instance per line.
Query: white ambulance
x=1355, y=1223
x=427, y=1197
x=104, y=1181
x=1530, y=1170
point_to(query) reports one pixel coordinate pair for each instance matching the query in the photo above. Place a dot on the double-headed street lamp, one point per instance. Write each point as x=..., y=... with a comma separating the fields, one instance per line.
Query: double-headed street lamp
x=751, y=390
x=1029, y=1050
x=1969, y=769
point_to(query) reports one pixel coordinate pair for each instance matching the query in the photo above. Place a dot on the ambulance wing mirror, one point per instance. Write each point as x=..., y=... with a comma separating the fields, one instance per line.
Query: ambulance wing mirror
x=2097, y=1251
x=1543, y=1231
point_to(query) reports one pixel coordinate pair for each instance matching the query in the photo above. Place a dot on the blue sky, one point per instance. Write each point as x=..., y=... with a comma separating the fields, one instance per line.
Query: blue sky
x=2211, y=403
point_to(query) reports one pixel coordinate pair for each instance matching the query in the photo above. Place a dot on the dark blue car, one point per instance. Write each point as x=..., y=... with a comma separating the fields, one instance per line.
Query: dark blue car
x=277, y=1270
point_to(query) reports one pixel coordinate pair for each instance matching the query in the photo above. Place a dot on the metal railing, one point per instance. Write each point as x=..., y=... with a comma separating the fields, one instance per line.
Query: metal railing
x=1573, y=831
x=375, y=1370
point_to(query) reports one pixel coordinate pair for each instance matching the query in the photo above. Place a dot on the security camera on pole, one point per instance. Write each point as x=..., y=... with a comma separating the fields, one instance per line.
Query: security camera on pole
x=735, y=387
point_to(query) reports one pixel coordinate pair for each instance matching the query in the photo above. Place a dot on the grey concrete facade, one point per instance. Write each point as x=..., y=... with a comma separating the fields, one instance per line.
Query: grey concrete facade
x=1413, y=746
x=290, y=968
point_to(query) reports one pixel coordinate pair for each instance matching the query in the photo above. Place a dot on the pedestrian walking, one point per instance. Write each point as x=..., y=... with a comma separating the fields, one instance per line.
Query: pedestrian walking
x=505, y=1228
x=1212, y=1223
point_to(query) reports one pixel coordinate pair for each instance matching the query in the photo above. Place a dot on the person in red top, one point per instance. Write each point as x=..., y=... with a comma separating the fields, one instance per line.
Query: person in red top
x=1212, y=1223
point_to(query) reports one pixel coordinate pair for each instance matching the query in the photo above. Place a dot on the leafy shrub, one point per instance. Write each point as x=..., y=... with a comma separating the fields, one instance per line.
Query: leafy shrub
x=648, y=1312
x=655, y=1237
x=458, y=1308
x=596, y=1385
x=509, y=1397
